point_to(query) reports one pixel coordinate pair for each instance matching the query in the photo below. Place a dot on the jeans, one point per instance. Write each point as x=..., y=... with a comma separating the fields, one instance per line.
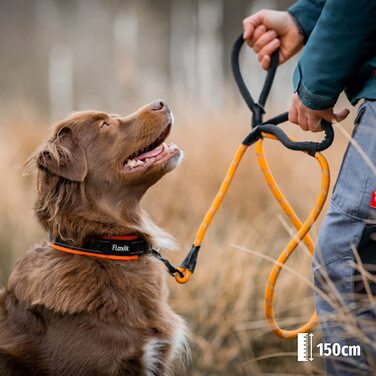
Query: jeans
x=344, y=263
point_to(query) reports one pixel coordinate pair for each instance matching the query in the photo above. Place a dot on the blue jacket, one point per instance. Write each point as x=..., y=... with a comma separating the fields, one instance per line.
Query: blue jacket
x=340, y=51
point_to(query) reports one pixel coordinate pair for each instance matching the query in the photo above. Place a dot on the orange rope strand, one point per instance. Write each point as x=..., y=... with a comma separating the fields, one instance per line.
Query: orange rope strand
x=301, y=235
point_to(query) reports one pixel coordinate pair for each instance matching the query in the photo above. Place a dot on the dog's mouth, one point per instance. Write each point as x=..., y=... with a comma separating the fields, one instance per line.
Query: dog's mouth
x=155, y=152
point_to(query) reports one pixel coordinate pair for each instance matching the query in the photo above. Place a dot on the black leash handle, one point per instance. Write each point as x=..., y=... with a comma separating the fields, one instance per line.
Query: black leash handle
x=258, y=111
x=257, y=108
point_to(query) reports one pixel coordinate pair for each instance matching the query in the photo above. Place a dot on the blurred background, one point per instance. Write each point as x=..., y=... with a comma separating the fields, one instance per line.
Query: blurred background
x=63, y=56
x=60, y=56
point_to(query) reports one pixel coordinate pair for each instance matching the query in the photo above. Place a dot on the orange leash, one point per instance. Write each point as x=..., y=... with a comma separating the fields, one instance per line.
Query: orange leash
x=301, y=235
x=268, y=129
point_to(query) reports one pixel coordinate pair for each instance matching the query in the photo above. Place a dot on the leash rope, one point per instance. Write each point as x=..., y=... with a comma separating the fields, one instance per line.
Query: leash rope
x=301, y=235
x=269, y=130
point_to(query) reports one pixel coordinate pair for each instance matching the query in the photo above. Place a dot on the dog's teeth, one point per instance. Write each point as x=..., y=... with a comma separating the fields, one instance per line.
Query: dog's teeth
x=134, y=163
x=131, y=162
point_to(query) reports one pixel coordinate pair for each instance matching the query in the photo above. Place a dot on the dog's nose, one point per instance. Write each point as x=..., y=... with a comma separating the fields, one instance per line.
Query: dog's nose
x=158, y=105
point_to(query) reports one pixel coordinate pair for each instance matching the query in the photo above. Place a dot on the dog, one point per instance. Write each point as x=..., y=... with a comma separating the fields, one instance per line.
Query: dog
x=67, y=312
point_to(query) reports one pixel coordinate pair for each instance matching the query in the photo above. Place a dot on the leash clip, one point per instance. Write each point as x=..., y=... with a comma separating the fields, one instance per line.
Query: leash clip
x=170, y=268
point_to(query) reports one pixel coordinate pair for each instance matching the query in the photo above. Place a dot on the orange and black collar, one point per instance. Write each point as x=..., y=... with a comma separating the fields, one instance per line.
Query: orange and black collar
x=127, y=247
x=123, y=248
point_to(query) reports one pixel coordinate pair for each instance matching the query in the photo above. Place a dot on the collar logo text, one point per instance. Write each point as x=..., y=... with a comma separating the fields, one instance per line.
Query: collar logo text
x=119, y=248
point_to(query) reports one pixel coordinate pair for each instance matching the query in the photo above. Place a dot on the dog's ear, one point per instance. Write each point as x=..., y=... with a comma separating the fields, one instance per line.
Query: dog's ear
x=63, y=156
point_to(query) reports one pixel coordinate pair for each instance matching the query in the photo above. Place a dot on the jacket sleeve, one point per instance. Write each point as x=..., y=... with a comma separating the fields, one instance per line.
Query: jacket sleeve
x=338, y=46
x=306, y=13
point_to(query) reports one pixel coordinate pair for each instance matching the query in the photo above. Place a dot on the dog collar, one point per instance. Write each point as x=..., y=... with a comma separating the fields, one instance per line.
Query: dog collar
x=127, y=247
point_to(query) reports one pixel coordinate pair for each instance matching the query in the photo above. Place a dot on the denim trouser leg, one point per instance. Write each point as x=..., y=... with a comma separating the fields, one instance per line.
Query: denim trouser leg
x=343, y=319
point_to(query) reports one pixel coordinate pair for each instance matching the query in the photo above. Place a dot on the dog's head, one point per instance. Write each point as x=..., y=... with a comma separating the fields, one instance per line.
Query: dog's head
x=105, y=161
x=112, y=151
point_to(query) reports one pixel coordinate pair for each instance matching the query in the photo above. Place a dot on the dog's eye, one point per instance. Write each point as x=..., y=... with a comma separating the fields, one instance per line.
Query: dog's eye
x=104, y=125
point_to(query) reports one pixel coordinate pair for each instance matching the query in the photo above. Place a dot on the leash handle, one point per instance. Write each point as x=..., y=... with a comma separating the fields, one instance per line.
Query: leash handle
x=309, y=146
x=257, y=108
x=258, y=111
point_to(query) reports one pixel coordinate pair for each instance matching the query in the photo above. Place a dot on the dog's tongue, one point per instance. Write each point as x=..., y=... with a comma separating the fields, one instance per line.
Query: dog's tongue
x=152, y=153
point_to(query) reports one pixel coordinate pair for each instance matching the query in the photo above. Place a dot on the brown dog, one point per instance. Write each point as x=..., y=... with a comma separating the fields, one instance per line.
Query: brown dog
x=69, y=314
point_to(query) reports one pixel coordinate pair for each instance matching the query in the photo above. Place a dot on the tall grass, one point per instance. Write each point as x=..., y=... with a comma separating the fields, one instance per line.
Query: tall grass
x=223, y=303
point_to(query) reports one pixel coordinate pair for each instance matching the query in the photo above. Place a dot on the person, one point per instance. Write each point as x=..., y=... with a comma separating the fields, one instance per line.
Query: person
x=339, y=54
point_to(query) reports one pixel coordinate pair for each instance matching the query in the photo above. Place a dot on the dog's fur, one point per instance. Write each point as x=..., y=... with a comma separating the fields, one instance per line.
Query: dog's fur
x=65, y=314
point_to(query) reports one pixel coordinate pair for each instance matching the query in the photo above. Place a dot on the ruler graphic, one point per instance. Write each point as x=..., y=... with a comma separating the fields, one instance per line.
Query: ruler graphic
x=303, y=347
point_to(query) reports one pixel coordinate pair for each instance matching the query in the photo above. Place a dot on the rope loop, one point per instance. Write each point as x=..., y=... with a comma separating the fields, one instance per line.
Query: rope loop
x=257, y=108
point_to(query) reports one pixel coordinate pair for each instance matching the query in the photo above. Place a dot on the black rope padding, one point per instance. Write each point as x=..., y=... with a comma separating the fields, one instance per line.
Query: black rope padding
x=257, y=108
x=238, y=76
x=190, y=260
x=279, y=119
x=269, y=78
x=309, y=146
x=258, y=111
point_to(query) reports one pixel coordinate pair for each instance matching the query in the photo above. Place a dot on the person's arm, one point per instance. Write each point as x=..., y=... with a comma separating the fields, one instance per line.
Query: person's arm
x=342, y=39
x=306, y=13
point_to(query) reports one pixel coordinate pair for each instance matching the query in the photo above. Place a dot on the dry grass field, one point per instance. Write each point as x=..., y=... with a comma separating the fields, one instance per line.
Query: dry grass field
x=223, y=303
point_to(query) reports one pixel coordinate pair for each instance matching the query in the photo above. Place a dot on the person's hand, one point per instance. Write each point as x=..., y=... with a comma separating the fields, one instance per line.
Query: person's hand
x=310, y=120
x=268, y=30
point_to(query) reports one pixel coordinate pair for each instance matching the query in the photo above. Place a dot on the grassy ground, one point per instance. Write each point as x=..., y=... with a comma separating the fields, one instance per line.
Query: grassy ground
x=223, y=303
